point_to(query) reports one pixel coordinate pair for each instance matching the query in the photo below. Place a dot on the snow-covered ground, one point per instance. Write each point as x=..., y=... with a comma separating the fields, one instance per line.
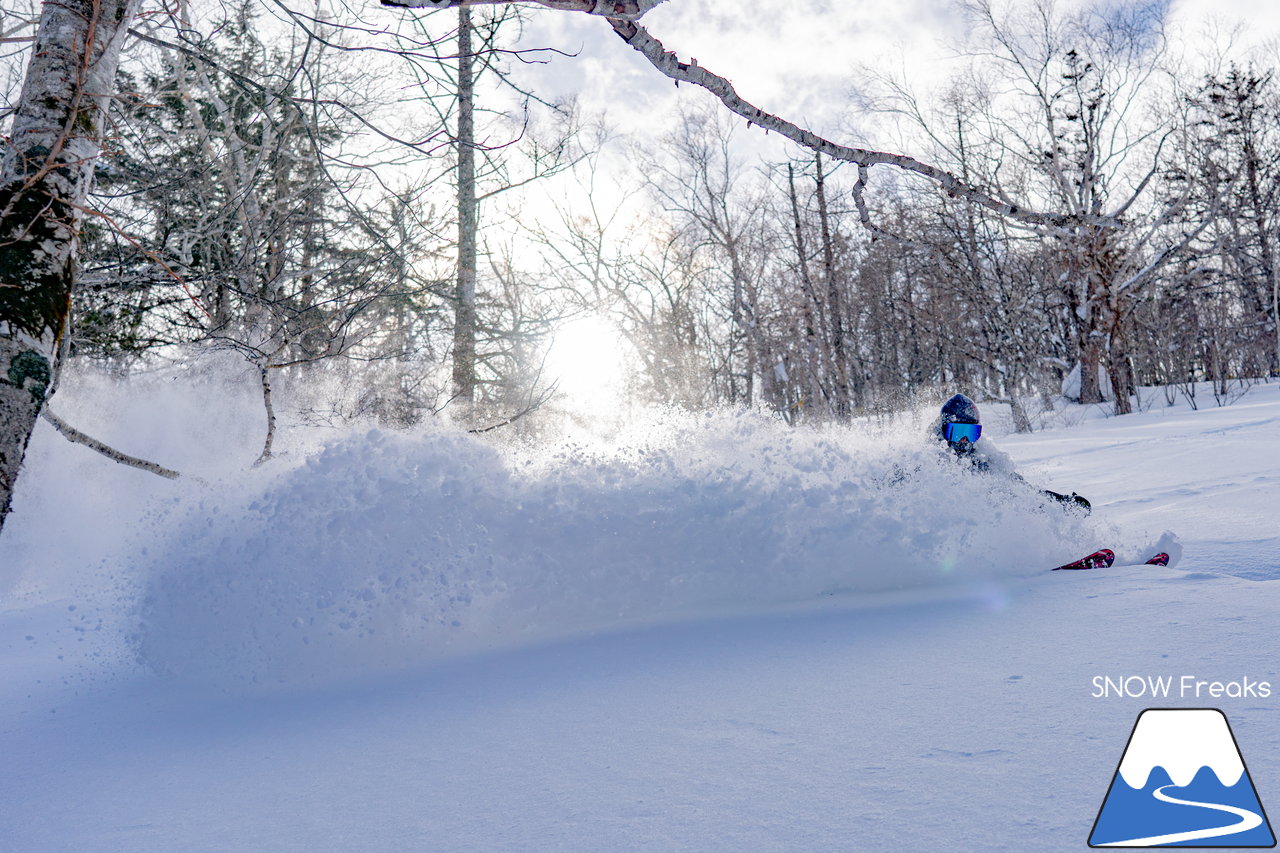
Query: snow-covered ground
x=718, y=635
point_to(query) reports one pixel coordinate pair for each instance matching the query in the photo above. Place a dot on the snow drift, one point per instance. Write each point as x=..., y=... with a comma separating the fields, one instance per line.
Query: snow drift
x=384, y=549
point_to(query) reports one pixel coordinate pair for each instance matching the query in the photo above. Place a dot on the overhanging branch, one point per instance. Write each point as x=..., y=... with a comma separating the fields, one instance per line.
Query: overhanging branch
x=74, y=435
x=623, y=10
x=690, y=72
x=624, y=15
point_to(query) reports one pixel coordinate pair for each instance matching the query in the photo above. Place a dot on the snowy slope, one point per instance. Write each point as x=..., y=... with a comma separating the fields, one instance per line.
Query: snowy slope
x=725, y=638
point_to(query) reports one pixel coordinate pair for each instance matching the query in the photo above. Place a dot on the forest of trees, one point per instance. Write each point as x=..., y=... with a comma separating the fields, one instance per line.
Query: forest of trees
x=316, y=189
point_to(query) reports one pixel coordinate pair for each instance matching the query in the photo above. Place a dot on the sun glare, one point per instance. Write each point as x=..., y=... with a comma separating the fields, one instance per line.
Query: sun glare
x=588, y=361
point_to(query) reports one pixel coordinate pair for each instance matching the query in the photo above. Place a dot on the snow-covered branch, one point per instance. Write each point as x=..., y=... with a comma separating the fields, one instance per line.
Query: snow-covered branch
x=75, y=436
x=624, y=10
x=669, y=64
x=624, y=17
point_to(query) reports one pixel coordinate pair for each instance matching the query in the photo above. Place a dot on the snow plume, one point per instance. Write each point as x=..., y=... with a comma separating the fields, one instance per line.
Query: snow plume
x=385, y=550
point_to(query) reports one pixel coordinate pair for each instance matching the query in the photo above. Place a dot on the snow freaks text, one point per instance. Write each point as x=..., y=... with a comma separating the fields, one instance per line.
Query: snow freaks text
x=1179, y=687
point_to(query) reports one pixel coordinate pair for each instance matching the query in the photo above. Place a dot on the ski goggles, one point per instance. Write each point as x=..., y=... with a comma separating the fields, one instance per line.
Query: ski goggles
x=956, y=433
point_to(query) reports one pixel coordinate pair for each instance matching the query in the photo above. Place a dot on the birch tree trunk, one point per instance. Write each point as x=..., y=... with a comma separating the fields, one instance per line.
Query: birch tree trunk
x=464, y=312
x=45, y=174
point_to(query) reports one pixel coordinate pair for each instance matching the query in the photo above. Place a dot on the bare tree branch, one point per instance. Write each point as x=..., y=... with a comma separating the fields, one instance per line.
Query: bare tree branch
x=533, y=406
x=623, y=16
x=76, y=436
x=669, y=64
x=624, y=10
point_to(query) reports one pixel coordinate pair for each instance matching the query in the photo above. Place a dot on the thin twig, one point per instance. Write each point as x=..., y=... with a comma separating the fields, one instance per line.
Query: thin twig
x=533, y=406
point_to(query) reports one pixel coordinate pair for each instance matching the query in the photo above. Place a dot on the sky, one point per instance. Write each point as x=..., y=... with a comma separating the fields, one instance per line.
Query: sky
x=801, y=58
x=807, y=61
x=796, y=58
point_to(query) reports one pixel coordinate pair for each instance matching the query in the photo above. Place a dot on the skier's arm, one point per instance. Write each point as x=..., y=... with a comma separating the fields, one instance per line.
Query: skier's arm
x=1071, y=500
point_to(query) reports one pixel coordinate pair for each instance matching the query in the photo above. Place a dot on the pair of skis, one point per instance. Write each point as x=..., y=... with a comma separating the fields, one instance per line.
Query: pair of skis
x=1103, y=559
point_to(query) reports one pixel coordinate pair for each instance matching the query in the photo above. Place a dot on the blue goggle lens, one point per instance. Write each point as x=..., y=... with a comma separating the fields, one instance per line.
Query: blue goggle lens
x=957, y=432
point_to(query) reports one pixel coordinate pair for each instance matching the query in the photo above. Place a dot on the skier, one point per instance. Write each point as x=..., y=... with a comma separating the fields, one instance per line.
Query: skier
x=959, y=426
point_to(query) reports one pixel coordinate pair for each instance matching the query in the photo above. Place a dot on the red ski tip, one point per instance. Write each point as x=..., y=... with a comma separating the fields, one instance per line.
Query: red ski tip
x=1097, y=560
x=1160, y=559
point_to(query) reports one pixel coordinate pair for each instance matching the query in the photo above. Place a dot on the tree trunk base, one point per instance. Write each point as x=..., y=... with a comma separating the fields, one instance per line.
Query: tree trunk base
x=24, y=379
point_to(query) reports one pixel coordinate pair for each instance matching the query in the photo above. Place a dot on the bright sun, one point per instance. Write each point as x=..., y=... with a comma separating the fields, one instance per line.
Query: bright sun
x=588, y=360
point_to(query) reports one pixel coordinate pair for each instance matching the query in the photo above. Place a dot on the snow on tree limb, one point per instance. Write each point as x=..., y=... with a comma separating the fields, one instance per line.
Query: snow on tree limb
x=77, y=437
x=624, y=15
x=669, y=64
x=624, y=10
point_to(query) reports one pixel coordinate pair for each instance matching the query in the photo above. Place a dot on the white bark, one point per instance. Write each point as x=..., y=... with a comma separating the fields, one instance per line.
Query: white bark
x=45, y=173
x=627, y=10
x=75, y=436
x=670, y=65
x=271, y=415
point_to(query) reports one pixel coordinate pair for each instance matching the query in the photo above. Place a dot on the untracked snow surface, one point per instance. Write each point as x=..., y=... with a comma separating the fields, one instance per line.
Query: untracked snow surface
x=715, y=634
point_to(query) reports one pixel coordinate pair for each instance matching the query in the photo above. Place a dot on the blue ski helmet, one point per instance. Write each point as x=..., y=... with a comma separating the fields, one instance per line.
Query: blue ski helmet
x=959, y=424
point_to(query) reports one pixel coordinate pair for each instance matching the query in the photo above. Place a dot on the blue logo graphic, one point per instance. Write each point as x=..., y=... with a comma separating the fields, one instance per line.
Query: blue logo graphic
x=1182, y=783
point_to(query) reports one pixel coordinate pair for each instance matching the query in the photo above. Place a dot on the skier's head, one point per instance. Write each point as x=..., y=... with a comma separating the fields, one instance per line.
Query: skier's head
x=958, y=424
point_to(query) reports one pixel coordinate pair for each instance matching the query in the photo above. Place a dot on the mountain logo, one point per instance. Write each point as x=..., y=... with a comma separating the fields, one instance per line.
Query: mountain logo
x=1182, y=783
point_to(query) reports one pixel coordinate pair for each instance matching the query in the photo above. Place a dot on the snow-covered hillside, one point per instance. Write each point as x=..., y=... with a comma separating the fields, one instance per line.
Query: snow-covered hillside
x=718, y=634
